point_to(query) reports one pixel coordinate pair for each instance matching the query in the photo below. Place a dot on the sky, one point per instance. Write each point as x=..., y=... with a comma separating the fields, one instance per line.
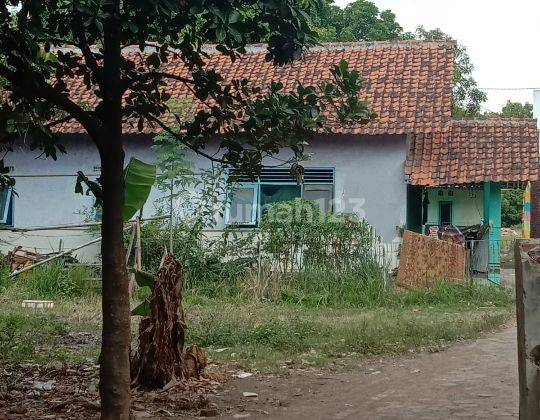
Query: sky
x=503, y=39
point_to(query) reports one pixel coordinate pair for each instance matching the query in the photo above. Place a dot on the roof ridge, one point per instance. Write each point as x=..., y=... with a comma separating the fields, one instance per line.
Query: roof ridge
x=494, y=120
x=324, y=46
x=349, y=45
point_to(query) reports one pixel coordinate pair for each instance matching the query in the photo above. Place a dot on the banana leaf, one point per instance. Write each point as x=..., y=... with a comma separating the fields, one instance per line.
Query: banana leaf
x=143, y=278
x=143, y=309
x=139, y=178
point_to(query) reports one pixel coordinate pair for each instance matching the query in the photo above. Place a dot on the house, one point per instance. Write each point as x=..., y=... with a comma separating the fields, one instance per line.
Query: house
x=382, y=171
x=455, y=178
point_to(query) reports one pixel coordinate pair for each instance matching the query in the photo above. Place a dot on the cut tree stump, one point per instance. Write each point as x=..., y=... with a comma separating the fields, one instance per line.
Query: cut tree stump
x=160, y=357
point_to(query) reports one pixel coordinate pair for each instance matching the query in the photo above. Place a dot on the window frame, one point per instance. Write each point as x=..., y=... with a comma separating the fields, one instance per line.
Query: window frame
x=254, y=207
x=4, y=218
x=257, y=208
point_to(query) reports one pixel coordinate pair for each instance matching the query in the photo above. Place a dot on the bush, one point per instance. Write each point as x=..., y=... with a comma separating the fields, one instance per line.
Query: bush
x=211, y=267
x=297, y=236
x=302, y=257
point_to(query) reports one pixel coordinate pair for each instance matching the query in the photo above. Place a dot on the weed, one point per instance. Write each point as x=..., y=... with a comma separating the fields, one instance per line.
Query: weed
x=21, y=336
x=267, y=335
x=54, y=280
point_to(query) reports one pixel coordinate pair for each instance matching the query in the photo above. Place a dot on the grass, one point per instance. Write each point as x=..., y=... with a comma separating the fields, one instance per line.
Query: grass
x=68, y=332
x=302, y=321
x=269, y=337
x=53, y=280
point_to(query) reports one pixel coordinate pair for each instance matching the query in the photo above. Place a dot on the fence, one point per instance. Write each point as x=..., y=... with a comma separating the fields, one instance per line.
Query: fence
x=426, y=259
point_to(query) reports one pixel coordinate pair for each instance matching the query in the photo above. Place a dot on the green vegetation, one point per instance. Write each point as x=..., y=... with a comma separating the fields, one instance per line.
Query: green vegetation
x=512, y=207
x=54, y=281
x=252, y=295
x=67, y=333
x=268, y=337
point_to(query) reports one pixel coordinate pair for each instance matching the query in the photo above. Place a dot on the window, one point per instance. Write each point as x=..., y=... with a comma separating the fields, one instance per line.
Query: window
x=249, y=198
x=445, y=213
x=277, y=193
x=242, y=209
x=6, y=207
x=322, y=194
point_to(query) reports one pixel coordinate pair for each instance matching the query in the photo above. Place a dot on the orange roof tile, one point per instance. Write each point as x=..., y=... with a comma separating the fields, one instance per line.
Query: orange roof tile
x=475, y=151
x=408, y=84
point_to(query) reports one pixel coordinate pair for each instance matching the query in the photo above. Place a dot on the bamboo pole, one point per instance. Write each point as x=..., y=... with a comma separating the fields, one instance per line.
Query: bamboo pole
x=75, y=226
x=171, y=217
x=138, y=243
x=54, y=257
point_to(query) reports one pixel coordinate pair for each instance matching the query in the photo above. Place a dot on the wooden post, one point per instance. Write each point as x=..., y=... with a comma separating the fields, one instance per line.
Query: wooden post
x=138, y=244
x=527, y=260
x=137, y=264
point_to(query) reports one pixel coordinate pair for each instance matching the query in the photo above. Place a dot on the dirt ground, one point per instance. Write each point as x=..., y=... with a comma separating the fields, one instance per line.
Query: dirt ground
x=469, y=380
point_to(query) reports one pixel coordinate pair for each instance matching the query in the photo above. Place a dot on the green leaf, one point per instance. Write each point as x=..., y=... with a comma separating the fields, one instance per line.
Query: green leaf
x=143, y=309
x=49, y=57
x=139, y=178
x=144, y=279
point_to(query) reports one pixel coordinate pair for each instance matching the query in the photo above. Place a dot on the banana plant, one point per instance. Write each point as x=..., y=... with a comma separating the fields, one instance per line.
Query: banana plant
x=144, y=280
x=139, y=177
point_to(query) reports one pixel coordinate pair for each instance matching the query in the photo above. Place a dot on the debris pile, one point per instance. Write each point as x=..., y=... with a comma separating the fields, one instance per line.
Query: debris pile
x=160, y=357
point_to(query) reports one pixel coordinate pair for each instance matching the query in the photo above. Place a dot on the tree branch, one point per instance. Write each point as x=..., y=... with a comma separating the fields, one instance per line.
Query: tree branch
x=59, y=121
x=170, y=131
x=89, y=57
x=148, y=76
x=59, y=99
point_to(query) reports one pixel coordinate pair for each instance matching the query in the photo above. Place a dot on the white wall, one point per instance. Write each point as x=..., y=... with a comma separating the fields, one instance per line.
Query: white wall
x=369, y=180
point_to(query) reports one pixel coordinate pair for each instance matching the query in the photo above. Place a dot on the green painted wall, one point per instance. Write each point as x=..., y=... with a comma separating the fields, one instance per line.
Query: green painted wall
x=467, y=205
x=492, y=217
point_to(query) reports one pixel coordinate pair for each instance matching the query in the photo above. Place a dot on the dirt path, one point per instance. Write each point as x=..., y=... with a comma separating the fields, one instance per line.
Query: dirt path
x=471, y=380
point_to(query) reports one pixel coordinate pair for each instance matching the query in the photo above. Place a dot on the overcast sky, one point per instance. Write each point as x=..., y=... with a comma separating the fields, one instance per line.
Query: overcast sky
x=502, y=37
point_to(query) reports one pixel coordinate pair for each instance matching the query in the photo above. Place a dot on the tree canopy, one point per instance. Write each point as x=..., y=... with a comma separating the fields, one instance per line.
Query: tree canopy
x=359, y=20
x=363, y=20
x=517, y=109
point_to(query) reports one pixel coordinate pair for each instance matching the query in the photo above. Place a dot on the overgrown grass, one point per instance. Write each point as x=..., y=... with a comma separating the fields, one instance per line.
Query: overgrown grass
x=362, y=290
x=55, y=281
x=268, y=337
x=67, y=333
x=265, y=320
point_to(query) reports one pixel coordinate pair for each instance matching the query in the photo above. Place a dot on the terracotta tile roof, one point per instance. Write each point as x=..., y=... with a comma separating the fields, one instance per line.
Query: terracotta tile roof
x=408, y=84
x=475, y=151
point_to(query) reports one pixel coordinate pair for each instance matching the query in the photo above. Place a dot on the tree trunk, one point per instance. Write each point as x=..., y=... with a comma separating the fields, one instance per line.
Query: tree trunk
x=116, y=334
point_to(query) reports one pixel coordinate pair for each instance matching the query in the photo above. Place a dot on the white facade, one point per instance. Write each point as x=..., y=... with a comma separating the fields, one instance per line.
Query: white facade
x=369, y=180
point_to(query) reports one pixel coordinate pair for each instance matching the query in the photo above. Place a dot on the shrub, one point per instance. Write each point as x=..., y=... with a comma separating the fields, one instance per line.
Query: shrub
x=297, y=236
